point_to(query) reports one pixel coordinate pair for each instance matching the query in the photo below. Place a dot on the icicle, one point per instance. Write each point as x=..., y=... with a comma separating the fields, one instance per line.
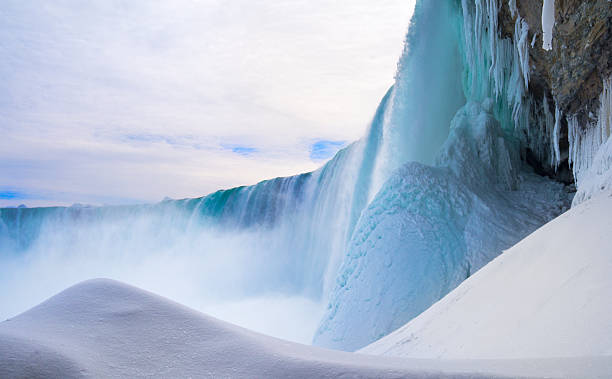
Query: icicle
x=605, y=110
x=592, y=150
x=548, y=21
x=521, y=30
x=512, y=6
x=554, y=140
x=493, y=32
x=573, y=140
x=584, y=142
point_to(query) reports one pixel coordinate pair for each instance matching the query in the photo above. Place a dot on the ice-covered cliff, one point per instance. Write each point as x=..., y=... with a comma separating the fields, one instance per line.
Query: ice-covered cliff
x=430, y=228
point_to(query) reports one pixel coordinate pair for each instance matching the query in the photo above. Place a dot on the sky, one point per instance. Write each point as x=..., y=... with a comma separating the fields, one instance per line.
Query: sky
x=117, y=101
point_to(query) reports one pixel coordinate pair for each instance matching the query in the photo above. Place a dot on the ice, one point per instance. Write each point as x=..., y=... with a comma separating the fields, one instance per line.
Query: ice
x=403, y=255
x=548, y=22
x=430, y=228
x=589, y=149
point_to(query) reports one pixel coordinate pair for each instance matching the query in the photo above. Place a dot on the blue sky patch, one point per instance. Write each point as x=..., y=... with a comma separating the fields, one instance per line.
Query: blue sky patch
x=12, y=195
x=324, y=149
x=240, y=149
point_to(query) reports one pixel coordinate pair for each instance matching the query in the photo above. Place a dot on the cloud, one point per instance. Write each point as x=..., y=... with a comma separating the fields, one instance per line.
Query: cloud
x=134, y=100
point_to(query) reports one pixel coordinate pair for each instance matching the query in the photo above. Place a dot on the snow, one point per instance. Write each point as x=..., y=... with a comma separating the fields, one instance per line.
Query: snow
x=548, y=21
x=106, y=329
x=548, y=296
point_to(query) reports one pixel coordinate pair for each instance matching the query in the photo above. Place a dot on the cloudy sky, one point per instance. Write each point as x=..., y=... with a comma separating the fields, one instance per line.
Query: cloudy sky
x=123, y=101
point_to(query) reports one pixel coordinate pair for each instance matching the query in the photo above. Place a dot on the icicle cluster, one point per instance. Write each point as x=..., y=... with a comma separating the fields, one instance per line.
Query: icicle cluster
x=497, y=67
x=584, y=142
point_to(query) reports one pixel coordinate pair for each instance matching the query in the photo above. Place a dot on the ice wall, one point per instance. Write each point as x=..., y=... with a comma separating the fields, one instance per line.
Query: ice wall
x=429, y=228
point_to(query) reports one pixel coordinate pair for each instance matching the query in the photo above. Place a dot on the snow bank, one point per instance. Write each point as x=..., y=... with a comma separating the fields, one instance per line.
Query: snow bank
x=548, y=296
x=103, y=328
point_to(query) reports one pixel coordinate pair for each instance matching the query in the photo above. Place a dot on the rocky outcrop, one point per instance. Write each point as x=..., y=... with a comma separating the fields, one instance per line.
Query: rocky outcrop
x=570, y=75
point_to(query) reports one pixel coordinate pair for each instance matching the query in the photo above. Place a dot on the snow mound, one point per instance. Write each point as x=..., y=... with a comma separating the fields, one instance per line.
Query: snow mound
x=103, y=328
x=548, y=296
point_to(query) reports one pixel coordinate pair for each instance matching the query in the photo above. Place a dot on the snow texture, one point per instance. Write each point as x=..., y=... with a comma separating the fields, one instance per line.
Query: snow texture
x=105, y=329
x=547, y=296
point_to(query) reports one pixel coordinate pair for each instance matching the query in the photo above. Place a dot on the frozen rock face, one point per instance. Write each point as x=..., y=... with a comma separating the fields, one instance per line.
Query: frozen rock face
x=572, y=72
x=429, y=228
x=573, y=69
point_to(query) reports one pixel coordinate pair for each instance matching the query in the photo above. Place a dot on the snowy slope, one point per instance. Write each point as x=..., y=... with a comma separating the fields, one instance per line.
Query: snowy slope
x=103, y=328
x=548, y=296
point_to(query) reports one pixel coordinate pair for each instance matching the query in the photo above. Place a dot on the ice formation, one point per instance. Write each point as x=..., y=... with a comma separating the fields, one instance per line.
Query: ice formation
x=590, y=149
x=429, y=228
x=548, y=22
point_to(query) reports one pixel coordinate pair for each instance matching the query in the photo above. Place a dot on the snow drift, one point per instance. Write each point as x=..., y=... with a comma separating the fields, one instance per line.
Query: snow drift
x=102, y=328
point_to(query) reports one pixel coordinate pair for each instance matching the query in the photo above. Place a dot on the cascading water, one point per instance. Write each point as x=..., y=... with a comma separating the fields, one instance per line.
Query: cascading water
x=281, y=238
x=378, y=238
